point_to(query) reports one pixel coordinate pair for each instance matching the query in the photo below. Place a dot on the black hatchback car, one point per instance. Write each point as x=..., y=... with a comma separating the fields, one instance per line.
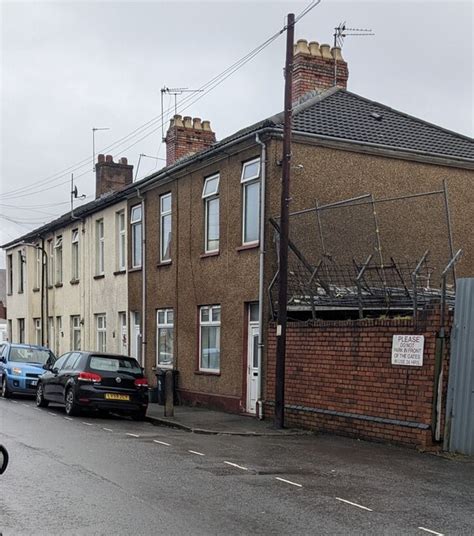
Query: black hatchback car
x=94, y=380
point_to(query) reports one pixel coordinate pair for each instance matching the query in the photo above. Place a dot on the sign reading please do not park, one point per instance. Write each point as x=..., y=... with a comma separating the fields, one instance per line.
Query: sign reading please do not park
x=408, y=350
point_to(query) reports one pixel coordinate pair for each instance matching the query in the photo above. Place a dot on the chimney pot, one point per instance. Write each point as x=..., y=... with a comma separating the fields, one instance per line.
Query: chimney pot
x=302, y=47
x=109, y=159
x=326, y=52
x=178, y=121
x=188, y=123
x=100, y=158
x=314, y=49
x=206, y=125
x=336, y=53
x=123, y=161
x=197, y=125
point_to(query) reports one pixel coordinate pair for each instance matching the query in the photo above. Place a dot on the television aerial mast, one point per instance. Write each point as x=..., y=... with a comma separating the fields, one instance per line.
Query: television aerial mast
x=341, y=32
x=173, y=91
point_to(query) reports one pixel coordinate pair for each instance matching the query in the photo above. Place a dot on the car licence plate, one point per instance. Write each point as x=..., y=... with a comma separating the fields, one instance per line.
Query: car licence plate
x=112, y=396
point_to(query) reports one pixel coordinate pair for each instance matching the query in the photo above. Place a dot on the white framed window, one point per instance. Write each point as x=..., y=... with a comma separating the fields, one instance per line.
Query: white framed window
x=75, y=255
x=75, y=332
x=50, y=261
x=164, y=337
x=250, y=180
x=38, y=266
x=10, y=274
x=21, y=271
x=101, y=330
x=210, y=195
x=58, y=259
x=210, y=338
x=165, y=228
x=136, y=229
x=121, y=245
x=37, y=324
x=100, y=247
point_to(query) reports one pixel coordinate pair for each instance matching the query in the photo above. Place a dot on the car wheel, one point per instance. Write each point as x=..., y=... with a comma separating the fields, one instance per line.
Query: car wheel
x=70, y=404
x=139, y=415
x=41, y=402
x=5, y=391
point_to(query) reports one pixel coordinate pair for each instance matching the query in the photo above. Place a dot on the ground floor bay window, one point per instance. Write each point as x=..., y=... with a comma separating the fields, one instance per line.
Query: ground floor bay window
x=210, y=338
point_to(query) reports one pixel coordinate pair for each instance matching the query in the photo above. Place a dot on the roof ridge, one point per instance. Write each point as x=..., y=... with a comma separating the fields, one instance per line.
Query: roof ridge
x=409, y=116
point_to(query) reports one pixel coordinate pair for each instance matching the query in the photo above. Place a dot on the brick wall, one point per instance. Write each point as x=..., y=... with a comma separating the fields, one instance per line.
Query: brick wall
x=339, y=378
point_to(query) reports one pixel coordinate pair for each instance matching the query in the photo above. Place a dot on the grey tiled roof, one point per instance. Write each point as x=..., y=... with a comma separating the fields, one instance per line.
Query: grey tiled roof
x=347, y=116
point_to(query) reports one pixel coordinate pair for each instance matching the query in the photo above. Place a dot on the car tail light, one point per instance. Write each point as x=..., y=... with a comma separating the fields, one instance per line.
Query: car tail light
x=141, y=382
x=89, y=377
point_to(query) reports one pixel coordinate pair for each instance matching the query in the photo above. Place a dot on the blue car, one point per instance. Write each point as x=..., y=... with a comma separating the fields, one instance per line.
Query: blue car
x=20, y=367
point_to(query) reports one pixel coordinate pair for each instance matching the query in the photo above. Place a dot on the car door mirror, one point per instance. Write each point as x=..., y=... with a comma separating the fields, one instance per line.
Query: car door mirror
x=47, y=366
x=3, y=359
x=54, y=370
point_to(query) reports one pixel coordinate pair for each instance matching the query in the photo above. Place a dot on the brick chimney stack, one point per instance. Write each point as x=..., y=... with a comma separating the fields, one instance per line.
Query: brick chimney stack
x=111, y=176
x=313, y=68
x=187, y=136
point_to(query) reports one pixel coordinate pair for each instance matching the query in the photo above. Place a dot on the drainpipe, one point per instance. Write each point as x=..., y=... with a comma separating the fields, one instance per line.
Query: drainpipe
x=143, y=323
x=261, y=273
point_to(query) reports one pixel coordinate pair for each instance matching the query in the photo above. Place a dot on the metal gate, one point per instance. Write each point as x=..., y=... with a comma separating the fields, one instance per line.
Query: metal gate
x=459, y=436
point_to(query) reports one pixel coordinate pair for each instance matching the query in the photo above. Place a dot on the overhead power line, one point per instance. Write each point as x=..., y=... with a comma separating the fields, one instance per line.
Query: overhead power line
x=150, y=125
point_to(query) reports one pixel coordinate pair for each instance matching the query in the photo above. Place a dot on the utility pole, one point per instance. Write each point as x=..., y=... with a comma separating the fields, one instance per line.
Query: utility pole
x=284, y=224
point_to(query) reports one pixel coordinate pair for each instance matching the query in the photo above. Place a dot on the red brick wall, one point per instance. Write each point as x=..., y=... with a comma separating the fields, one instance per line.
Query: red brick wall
x=310, y=73
x=339, y=378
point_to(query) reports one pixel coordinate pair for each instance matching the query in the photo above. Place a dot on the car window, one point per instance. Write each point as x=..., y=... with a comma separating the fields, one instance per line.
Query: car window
x=73, y=361
x=27, y=354
x=61, y=361
x=114, y=364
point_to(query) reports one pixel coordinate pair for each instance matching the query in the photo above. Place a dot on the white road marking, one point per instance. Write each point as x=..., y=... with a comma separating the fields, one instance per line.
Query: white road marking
x=26, y=405
x=238, y=466
x=354, y=504
x=69, y=418
x=196, y=452
x=431, y=531
x=51, y=413
x=289, y=482
x=133, y=435
x=107, y=429
x=161, y=442
x=87, y=423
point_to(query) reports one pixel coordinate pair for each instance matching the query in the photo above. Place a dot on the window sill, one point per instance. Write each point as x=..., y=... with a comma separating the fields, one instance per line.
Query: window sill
x=36, y=289
x=20, y=292
x=245, y=247
x=74, y=282
x=58, y=285
x=136, y=269
x=50, y=287
x=120, y=272
x=100, y=276
x=206, y=373
x=163, y=263
x=210, y=254
x=9, y=293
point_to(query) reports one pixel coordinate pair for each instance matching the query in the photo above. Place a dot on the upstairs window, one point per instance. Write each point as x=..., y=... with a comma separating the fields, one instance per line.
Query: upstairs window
x=58, y=256
x=250, y=180
x=100, y=247
x=75, y=255
x=210, y=195
x=38, y=266
x=21, y=272
x=10, y=275
x=165, y=228
x=50, y=261
x=121, y=245
x=136, y=228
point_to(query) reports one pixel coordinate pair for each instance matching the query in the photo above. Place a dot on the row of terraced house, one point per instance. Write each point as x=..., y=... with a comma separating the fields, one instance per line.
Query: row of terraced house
x=175, y=268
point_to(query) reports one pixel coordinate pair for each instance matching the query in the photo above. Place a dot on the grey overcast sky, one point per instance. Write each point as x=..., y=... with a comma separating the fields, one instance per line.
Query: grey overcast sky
x=69, y=66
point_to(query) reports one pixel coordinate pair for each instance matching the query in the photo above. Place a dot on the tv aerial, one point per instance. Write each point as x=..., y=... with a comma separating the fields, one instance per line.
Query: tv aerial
x=175, y=91
x=341, y=32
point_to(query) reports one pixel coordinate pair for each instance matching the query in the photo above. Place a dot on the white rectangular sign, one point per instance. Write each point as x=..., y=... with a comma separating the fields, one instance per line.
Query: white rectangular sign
x=408, y=350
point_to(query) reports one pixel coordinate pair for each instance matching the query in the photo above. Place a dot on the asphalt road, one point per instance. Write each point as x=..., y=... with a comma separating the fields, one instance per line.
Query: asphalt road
x=103, y=476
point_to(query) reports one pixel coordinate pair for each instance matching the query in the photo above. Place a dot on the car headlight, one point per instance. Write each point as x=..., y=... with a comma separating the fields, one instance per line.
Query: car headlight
x=16, y=371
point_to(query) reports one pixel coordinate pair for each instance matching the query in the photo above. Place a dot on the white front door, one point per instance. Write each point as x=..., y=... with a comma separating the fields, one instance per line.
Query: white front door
x=135, y=337
x=253, y=369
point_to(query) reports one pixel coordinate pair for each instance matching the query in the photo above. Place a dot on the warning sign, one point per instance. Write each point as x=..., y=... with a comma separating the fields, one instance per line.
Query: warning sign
x=408, y=350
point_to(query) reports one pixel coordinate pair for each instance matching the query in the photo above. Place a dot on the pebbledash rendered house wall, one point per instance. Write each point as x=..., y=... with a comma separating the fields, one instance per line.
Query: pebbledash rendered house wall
x=340, y=379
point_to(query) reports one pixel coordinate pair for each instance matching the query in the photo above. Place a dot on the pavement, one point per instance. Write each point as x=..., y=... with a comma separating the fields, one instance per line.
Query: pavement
x=205, y=421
